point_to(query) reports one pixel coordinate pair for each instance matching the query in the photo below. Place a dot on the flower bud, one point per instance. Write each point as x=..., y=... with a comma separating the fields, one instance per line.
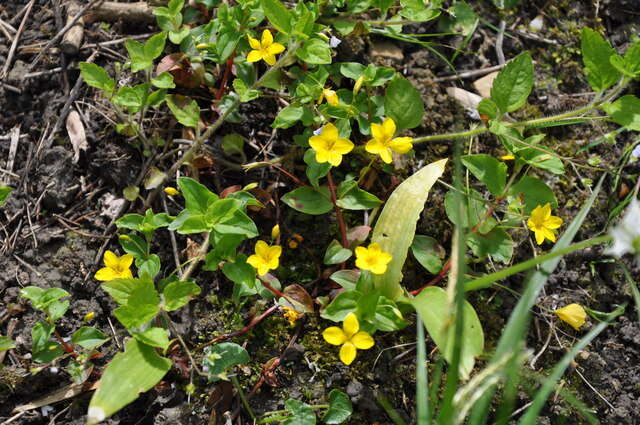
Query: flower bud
x=171, y=191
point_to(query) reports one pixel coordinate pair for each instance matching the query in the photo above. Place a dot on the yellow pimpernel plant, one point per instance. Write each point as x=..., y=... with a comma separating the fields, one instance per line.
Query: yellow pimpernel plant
x=264, y=49
x=330, y=95
x=573, y=314
x=350, y=338
x=383, y=142
x=329, y=146
x=116, y=267
x=266, y=257
x=372, y=258
x=543, y=224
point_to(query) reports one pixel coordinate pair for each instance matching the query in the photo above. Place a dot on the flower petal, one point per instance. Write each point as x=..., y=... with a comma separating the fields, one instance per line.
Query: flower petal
x=378, y=268
x=263, y=269
x=335, y=158
x=334, y=335
x=111, y=260
x=275, y=48
x=401, y=144
x=343, y=146
x=329, y=133
x=539, y=236
x=389, y=127
x=386, y=155
x=362, y=340
x=267, y=39
x=262, y=249
x=549, y=234
x=254, y=56
x=377, y=131
x=323, y=156
x=270, y=59
x=573, y=314
x=125, y=261
x=553, y=222
x=105, y=274
x=275, y=251
x=351, y=325
x=317, y=143
x=255, y=261
x=347, y=353
x=374, y=146
x=255, y=44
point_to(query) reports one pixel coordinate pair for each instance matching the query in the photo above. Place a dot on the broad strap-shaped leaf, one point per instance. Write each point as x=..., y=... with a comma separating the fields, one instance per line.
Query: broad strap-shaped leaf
x=136, y=370
x=396, y=225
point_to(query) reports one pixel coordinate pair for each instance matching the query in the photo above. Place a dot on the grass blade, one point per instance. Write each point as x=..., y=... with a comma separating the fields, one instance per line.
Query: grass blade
x=422, y=384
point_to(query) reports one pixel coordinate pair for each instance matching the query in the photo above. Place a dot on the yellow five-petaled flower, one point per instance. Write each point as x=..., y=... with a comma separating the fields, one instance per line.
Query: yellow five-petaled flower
x=329, y=146
x=373, y=259
x=116, y=267
x=266, y=257
x=383, y=141
x=264, y=49
x=573, y=314
x=349, y=337
x=543, y=224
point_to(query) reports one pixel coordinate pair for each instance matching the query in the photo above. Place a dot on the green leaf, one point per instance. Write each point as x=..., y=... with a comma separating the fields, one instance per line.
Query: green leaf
x=136, y=315
x=156, y=98
x=133, y=98
x=155, y=337
x=352, y=70
x=244, y=92
x=197, y=197
x=42, y=298
x=632, y=59
x=150, y=267
x=277, y=14
x=461, y=19
x=428, y=252
x=176, y=37
x=97, y=77
x=336, y=254
x=56, y=310
x=186, y=110
x=476, y=208
x=88, y=337
x=309, y=200
x=433, y=306
x=43, y=349
x=238, y=224
x=497, y=243
x=136, y=370
x=121, y=289
x=134, y=245
x=6, y=343
x=343, y=304
x=488, y=107
x=240, y=271
x=351, y=197
x=315, y=52
x=340, y=408
x=154, y=46
x=596, y=52
x=396, y=225
x=163, y=81
x=302, y=413
x=346, y=278
x=315, y=170
x=534, y=191
x=403, y=103
x=178, y=293
x=4, y=194
x=488, y=170
x=514, y=83
x=541, y=158
x=139, y=60
x=288, y=116
x=220, y=357
x=625, y=111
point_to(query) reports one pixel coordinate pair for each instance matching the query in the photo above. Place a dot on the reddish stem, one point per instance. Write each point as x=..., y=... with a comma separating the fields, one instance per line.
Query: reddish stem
x=244, y=330
x=68, y=348
x=441, y=275
x=225, y=77
x=272, y=289
x=288, y=174
x=339, y=217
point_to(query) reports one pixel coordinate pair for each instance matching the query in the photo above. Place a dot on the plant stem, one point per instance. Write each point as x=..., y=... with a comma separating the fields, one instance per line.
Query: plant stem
x=339, y=217
x=447, y=136
x=243, y=398
x=488, y=280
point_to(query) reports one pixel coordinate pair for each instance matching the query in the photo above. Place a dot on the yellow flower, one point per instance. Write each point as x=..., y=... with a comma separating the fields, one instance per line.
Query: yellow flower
x=330, y=95
x=291, y=315
x=349, y=338
x=116, y=267
x=383, y=142
x=542, y=223
x=373, y=259
x=171, y=191
x=266, y=257
x=573, y=314
x=264, y=49
x=329, y=146
x=507, y=157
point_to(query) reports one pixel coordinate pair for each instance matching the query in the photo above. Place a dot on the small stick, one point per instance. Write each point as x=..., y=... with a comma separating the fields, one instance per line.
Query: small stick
x=11, y=88
x=469, y=74
x=4, y=27
x=13, y=149
x=499, y=41
x=62, y=32
x=116, y=41
x=14, y=45
x=72, y=39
